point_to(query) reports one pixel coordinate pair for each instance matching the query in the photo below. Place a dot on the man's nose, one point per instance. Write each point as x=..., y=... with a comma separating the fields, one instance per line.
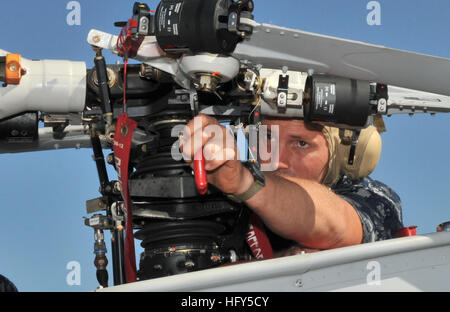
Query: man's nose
x=283, y=162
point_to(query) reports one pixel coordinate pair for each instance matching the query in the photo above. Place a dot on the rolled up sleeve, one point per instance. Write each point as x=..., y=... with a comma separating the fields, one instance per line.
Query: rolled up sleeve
x=377, y=205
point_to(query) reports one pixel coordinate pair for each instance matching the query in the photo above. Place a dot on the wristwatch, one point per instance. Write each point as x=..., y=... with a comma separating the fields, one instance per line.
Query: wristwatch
x=258, y=183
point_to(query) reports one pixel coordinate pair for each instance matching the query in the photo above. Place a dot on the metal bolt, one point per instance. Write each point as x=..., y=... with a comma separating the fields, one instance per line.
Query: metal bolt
x=110, y=159
x=13, y=66
x=189, y=264
x=382, y=105
x=96, y=38
x=110, y=137
x=117, y=186
x=299, y=283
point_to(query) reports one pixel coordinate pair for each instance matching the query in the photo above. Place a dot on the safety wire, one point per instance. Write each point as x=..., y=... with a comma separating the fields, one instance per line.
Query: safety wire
x=124, y=47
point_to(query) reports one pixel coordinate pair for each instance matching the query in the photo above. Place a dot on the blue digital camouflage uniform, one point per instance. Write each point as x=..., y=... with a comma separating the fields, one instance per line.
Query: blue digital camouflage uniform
x=378, y=206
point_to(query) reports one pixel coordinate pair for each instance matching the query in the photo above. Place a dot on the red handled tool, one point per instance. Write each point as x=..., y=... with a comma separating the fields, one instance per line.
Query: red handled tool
x=200, y=173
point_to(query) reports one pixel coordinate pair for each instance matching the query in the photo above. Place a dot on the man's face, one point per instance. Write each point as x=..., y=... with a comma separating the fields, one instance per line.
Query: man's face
x=303, y=152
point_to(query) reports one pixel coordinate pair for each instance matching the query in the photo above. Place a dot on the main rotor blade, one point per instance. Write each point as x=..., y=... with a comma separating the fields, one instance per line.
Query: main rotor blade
x=275, y=47
x=407, y=101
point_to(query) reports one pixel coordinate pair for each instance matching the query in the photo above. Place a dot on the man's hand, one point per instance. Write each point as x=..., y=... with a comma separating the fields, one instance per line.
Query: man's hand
x=224, y=170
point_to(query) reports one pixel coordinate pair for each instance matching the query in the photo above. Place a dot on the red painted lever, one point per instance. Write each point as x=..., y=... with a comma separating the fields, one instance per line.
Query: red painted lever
x=200, y=173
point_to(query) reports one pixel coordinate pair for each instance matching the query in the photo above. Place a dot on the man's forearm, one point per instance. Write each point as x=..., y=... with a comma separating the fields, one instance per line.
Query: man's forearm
x=307, y=212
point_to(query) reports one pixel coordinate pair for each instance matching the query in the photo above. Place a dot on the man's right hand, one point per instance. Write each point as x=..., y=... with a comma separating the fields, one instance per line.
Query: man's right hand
x=224, y=170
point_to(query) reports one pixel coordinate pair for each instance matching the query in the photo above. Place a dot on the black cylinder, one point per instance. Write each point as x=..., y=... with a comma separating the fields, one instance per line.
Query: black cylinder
x=117, y=244
x=102, y=277
x=103, y=83
x=337, y=100
x=195, y=25
x=2, y=68
x=100, y=161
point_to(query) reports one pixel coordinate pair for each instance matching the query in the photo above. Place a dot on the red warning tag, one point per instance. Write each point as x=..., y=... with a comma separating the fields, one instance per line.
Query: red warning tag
x=257, y=239
x=122, y=146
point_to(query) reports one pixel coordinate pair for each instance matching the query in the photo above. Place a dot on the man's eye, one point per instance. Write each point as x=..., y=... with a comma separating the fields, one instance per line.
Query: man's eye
x=302, y=144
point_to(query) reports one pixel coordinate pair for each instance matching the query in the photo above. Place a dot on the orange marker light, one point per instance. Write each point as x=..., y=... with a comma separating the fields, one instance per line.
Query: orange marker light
x=13, y=69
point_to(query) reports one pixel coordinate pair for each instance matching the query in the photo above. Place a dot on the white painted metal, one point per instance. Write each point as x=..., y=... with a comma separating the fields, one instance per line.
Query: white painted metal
x=102, y=40
x=192, y=65
x=419, y=263
x=48, y=86
x=297, y=81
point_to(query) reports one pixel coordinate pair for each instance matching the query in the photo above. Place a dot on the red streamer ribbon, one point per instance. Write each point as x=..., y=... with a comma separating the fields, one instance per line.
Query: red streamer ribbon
x=122, y=146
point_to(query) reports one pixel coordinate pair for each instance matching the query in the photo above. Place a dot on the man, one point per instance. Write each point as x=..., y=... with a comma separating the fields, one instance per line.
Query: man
x=294, y=203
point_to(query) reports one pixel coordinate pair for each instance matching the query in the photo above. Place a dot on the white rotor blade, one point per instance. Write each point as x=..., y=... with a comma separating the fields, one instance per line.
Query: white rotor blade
x=407, y=101
x=275, y=47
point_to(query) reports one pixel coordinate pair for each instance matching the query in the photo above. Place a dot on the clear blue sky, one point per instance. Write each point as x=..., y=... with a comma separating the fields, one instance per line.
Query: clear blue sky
x=43, y=194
